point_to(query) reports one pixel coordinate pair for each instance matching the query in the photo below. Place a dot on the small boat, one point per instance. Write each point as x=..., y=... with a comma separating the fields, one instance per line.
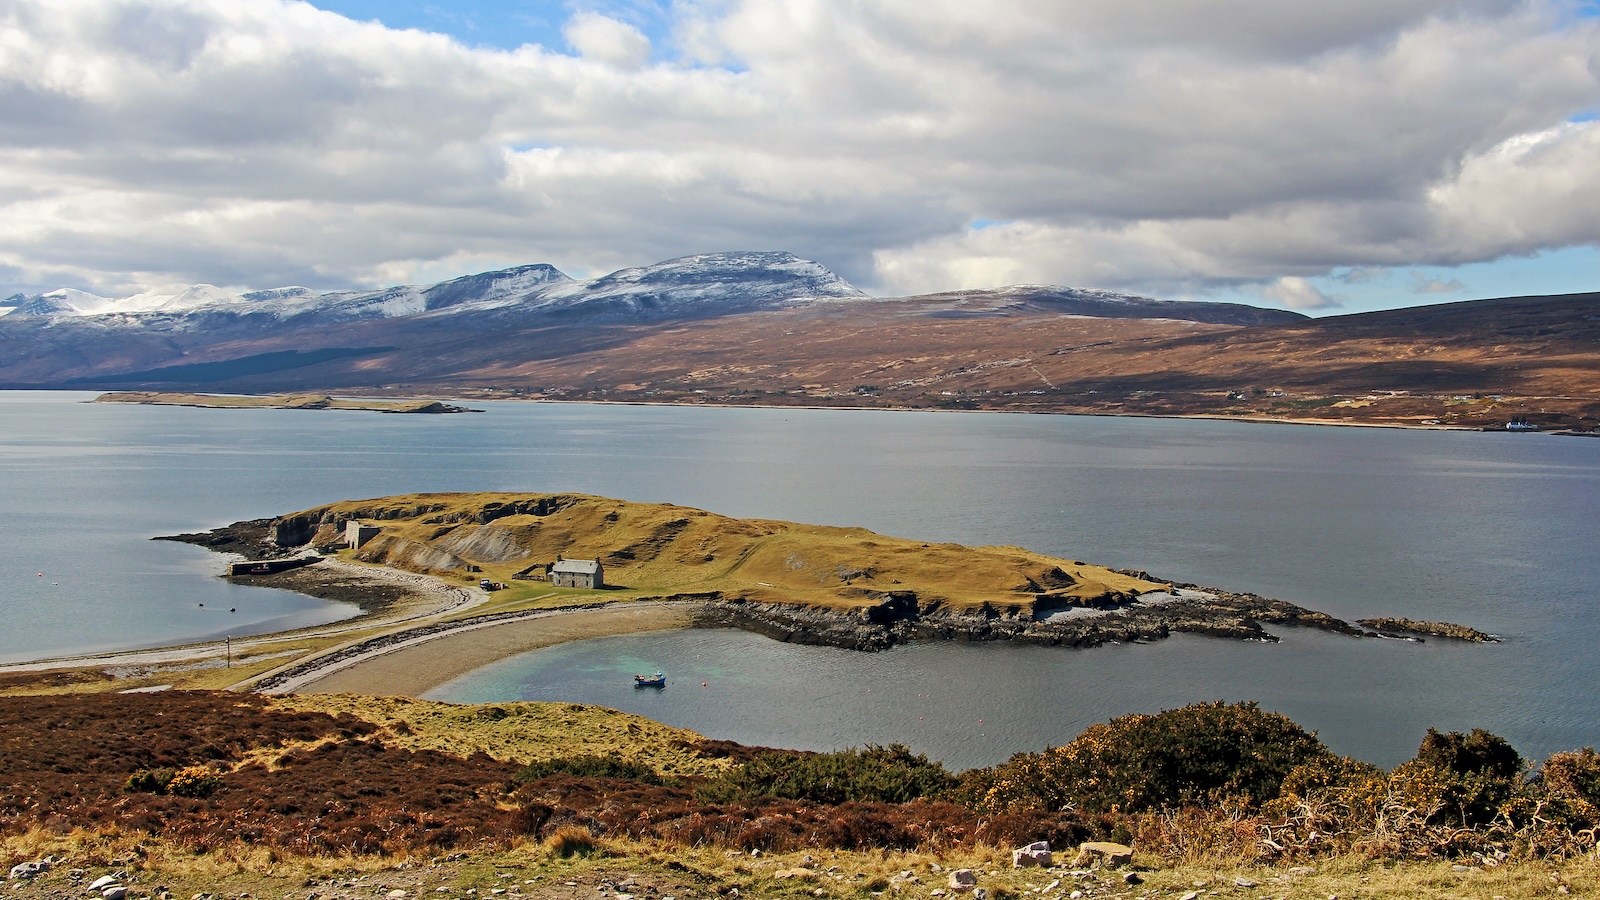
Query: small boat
x=656, y=680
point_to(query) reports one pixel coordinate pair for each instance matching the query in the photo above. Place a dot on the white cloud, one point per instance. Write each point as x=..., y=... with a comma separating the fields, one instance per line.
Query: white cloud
x=1422, y=284
x=1297, y=293
x=608, y=40
x=1169, y=148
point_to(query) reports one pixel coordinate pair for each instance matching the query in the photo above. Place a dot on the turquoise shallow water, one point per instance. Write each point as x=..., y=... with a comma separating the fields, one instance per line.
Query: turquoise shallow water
x=1495, y=531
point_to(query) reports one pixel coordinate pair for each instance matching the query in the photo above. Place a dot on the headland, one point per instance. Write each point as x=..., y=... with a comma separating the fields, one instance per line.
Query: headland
x=450, y=582
x=280, y=401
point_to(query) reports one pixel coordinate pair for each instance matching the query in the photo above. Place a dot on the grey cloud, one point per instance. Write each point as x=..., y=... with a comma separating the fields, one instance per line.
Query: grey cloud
x=1157, y=150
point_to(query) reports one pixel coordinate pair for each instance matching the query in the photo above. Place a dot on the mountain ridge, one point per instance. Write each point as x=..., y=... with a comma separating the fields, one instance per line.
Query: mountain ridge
x=771, y=328
x=724, y=281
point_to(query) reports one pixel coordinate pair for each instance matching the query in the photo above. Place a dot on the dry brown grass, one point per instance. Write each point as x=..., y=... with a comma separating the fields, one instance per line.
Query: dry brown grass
x=652, y=549
x=520, y=732
x=692, y=872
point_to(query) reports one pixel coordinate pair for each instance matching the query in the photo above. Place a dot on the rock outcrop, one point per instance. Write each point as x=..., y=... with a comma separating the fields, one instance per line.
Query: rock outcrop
x=901, y=616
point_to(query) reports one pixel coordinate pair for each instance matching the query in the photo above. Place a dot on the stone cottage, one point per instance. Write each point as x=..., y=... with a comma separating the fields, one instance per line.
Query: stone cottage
x=578, y=573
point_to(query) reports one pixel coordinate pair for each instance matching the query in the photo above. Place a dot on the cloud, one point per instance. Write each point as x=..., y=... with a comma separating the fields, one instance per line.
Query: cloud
x=1422, y=284
x=608, y=40
x=1169, y=149
x=1297, y=293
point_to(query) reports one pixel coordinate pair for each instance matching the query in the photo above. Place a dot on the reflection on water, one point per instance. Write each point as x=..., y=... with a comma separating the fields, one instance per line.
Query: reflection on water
x=975, y=704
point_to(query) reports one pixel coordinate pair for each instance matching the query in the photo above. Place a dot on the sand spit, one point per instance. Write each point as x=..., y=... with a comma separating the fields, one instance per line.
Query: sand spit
x=411, y=663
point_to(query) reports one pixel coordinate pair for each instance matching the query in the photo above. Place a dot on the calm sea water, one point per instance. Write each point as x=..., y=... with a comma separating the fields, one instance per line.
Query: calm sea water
x=1492, y=530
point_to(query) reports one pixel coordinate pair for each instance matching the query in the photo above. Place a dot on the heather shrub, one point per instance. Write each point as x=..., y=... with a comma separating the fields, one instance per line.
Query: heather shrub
x=1200, y=754
x=891, y=774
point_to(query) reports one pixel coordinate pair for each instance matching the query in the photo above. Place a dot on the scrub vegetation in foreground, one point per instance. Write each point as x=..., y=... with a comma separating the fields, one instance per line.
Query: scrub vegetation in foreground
x=209, y=774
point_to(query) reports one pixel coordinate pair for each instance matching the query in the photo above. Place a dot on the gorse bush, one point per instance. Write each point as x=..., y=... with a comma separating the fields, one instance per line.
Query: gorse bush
x=1205, y=753
x=194, y=781
x=589, y=767
x=1459, y=779
x=891, y=774
x=189, y=781
x=148, y=781
x=1574, y=775
x=1478, y=753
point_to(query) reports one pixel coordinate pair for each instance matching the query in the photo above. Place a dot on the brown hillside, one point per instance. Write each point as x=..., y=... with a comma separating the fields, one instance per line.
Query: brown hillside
x=1537, y=357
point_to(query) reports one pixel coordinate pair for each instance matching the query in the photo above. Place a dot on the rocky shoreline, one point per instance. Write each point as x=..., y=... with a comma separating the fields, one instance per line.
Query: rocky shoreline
x=895, y=618
x=252, y=540
x=901, y=618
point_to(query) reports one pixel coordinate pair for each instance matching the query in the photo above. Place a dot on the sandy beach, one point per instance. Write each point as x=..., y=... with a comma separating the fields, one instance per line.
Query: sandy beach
x=387, y=597
x=417, y=665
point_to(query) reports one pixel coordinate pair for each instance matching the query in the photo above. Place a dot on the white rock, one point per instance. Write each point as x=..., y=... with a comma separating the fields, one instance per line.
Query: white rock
x=1035, y=854
x=25, y=870
x=103, y=882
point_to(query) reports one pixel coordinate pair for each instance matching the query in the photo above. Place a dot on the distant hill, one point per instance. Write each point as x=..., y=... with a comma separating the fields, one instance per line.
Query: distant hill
x=209, y=337
x=772, y=328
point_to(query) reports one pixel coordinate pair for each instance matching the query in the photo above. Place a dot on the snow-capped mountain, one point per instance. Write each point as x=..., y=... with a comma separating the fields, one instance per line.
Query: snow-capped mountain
x=721, y=282
x=492, y=322
x=704, y=284
x=69, y=302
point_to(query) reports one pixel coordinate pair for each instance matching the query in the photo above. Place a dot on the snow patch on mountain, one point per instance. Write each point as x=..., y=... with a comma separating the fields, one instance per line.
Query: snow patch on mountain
x=704, y=283
x=707, y=284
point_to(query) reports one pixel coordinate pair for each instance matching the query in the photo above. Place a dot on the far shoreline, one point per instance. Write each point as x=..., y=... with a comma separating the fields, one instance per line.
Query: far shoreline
x=365, y=396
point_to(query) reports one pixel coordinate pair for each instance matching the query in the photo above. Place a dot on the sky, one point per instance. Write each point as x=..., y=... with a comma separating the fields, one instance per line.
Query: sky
x=1328, y=156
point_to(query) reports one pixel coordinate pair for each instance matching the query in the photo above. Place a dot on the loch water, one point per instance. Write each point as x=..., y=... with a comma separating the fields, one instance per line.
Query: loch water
x=1496, y=531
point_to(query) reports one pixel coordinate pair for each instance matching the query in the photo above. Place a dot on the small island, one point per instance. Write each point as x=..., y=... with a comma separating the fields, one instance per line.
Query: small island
x=279, y=401
x=1386, y=624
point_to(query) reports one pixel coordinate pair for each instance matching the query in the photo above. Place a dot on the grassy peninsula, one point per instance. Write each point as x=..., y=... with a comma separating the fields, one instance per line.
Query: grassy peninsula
x=845, y=587
x=659, y=549
x=277, y=401
x=427, y=620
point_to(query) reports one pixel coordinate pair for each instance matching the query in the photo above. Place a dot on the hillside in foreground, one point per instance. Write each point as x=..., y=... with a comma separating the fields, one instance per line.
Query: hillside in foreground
x=220, y=794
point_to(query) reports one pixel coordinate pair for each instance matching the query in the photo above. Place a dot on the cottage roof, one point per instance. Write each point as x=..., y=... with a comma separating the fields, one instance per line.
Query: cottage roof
x=577, y=567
